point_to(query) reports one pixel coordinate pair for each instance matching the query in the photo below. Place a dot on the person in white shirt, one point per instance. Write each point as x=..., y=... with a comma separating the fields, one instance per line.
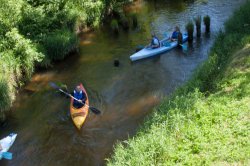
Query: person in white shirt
x=155, y=43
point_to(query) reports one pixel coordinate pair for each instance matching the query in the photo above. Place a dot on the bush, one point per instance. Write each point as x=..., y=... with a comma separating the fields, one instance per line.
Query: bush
x=5, y=101
x=90, y=12
x=60, y=43
x=10, y=14
x=34, y=23
x=114, y=26
x=24, y=51
x=38, y=32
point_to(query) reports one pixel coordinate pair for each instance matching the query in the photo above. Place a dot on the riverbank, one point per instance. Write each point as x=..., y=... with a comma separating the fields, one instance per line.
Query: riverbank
x=206, y=121
x=38, y=33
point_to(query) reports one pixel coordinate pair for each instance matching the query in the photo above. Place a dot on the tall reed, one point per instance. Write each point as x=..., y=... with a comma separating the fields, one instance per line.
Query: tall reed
x=60, y=43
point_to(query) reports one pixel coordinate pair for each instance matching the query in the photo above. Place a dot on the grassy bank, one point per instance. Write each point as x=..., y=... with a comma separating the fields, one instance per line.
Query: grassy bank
x=39, y=32
x=206, y=122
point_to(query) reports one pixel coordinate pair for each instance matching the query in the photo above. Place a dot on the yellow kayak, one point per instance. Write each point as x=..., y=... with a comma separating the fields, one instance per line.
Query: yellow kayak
x=79, y=115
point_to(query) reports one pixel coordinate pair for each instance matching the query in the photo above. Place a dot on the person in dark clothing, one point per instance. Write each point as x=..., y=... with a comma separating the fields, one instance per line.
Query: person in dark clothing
x=180, y=39
x=80, y=96
x=175, y=34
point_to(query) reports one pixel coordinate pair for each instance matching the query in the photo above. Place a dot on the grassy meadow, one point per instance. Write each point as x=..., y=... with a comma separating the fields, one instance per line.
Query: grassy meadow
x=207, y=121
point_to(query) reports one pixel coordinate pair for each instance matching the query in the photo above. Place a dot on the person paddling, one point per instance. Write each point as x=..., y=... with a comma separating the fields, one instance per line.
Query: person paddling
x=80, y=96
x=175, y=34
x=155, y=43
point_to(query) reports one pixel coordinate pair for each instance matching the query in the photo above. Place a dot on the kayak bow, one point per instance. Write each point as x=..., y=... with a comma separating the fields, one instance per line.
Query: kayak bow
x=6, y=143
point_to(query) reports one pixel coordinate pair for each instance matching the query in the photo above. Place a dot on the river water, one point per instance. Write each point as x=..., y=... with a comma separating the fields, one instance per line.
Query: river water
x=124, y=94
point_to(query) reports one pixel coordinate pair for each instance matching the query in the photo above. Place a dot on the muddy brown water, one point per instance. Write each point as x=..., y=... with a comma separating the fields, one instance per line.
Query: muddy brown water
x=124, y=94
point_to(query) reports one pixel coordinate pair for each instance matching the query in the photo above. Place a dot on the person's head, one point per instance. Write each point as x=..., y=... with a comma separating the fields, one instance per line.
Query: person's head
x=153, y=35
x=177, y=29
x=78, y=88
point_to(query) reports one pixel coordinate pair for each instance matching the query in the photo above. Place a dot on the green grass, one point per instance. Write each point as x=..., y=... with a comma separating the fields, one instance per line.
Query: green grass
x=205, y=122
x=59, y=44
x=5, y=98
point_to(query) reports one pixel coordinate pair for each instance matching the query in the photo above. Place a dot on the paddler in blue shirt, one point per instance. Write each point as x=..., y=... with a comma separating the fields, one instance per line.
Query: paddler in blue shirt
x=175, y=34
x=80, y=96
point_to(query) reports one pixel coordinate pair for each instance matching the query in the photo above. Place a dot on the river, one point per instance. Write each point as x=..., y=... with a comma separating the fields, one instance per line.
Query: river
x=124, y=94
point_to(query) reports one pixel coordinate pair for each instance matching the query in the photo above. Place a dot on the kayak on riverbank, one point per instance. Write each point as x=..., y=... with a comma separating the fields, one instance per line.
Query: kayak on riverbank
x=149, y=52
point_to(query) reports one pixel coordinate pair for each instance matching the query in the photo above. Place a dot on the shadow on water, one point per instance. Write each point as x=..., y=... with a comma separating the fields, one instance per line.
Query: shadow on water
x=124, y=94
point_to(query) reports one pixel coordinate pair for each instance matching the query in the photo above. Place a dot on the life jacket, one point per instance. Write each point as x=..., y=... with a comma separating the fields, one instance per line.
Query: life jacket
x=153, y=41
x=78, y=95
x=175, y=35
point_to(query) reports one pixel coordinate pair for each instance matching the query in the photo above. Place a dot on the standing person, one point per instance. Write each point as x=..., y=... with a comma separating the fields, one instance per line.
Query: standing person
x=80, y=96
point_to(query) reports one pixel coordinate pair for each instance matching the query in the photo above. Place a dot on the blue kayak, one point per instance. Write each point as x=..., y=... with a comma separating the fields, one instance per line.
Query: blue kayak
x=166, y=45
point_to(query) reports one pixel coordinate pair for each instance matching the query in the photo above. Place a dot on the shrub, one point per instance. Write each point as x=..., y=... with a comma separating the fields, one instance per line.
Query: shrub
x=10, y=14
x=60, y=43
x=114, y=26
x=25, y=52
x=34, y=23
x=5, y=101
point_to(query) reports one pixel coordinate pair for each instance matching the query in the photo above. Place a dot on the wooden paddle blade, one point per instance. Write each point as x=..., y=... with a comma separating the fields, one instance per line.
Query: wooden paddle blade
x=95, y=110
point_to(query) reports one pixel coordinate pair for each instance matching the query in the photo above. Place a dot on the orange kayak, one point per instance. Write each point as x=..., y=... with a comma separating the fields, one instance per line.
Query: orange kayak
x=79, y=115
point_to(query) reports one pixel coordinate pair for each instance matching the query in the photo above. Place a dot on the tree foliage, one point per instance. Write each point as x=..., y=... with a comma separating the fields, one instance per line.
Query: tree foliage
x=36, y=32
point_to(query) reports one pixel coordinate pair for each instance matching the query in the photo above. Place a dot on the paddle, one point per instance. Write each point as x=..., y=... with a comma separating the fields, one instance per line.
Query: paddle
x=184, y=47
x=94, y=110
x=7, y=155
